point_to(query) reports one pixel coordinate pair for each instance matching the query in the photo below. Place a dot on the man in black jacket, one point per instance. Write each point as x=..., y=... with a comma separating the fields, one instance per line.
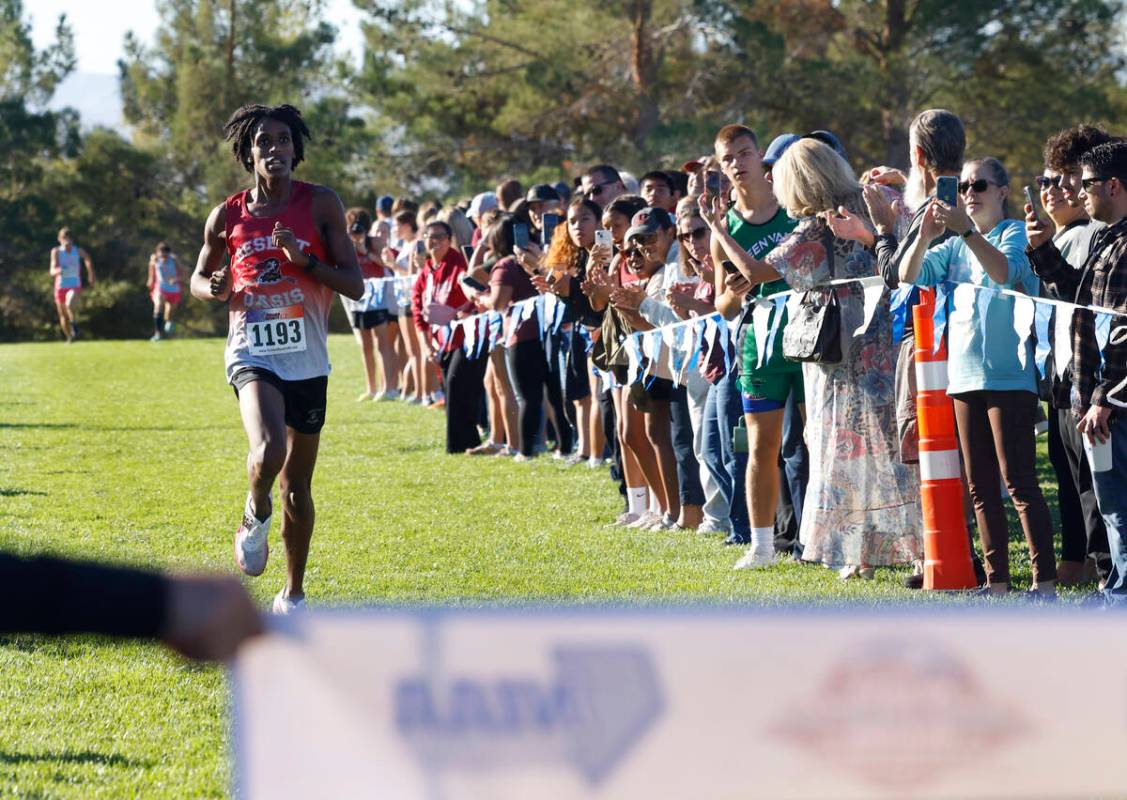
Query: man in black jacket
x=1099, y=390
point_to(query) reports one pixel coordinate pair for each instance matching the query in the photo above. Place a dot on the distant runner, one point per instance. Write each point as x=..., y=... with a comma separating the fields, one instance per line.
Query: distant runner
x=289, y=252
x=164, y=289
x=67, y=272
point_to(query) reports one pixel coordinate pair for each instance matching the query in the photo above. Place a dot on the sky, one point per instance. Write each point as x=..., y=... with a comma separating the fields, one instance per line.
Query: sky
x=98, y=35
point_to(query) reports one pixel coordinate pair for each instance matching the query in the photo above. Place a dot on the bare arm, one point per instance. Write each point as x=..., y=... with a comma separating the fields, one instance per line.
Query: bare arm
x=724, y=246
x=211, y=281
x=54, y=269
x=89, y=265
x=328, y=216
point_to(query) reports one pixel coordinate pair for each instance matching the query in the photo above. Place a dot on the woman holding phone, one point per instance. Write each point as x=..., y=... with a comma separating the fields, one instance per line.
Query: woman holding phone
x=994, y=389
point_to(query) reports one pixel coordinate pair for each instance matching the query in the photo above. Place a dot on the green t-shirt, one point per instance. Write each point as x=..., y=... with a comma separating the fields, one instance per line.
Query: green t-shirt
x=758, y=241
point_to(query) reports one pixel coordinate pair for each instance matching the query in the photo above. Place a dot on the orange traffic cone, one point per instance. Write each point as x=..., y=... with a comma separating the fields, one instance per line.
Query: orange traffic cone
x=947, y=560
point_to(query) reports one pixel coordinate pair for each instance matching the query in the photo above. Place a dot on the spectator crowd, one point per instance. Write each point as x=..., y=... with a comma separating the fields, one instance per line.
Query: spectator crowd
x=798, y=435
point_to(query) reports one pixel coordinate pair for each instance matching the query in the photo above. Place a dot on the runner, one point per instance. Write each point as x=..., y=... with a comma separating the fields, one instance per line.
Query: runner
x=66, y=271
x=289, y=252
x=164, y=288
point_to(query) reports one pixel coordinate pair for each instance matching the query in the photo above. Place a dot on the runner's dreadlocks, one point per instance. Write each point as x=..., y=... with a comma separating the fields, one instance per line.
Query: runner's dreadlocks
x=239, y=130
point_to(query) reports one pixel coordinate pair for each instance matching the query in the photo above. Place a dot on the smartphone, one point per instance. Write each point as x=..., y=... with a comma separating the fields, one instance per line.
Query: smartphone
x=520, y=236
x=420, y=248
x=467, y=251
x=474, y=284
x=549, y=222
x=712, y=183
x=947, y=190
x=1033, y=197
x=603, y=238
x=729, y=267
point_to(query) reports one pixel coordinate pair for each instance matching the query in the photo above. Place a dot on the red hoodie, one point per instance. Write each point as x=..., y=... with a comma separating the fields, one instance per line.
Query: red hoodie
x=438, y=283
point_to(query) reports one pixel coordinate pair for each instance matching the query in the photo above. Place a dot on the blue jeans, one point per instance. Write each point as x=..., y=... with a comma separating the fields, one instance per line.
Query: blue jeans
x=722, y=412
x=1111, y=495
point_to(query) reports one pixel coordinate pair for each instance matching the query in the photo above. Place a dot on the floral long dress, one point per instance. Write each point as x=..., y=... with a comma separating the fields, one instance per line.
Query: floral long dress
x=862, y=505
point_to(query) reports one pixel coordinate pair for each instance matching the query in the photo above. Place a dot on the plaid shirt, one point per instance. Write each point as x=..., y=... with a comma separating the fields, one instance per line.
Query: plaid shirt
x=1102, y=281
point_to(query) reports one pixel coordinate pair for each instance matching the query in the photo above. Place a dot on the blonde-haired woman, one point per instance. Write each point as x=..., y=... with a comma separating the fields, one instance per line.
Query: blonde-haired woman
x=862, y=505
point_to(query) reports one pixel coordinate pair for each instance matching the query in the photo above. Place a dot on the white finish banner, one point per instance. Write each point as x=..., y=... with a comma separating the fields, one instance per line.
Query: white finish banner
x=691, y=703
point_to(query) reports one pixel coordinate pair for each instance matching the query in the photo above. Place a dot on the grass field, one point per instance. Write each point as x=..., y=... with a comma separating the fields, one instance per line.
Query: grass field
x=133, y=452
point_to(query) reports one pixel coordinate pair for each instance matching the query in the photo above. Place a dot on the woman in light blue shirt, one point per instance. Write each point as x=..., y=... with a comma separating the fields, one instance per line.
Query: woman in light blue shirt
x=993, y=384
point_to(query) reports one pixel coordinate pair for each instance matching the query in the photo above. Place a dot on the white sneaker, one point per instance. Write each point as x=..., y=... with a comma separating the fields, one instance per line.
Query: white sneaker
x=711, y=526
x=594, y=462
x=286, y=605
x=624, y=519
x=170, y=327
x=756, y=559
x=667, y=523
x=574, y=459
x=252, y=542
x=387, y=397
x=365, y=396
x=645, y=520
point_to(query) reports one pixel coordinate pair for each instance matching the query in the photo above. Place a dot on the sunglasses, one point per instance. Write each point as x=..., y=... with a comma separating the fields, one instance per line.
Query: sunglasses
x=1045, y=182
x=648, y=240
x=1087, y=183
x=978, y=187
x=696, y=234
x=597, y=189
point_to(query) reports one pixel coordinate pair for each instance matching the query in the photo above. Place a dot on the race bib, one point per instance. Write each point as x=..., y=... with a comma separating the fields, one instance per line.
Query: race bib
x=272, y=331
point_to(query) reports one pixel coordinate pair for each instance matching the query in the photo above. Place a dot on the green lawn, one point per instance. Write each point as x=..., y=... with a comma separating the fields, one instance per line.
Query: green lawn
x=133, y=452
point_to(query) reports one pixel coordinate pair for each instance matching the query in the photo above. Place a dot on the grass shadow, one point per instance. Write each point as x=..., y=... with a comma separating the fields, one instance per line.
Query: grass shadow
x=37, y=425
x=18, y=492
x=81, y=757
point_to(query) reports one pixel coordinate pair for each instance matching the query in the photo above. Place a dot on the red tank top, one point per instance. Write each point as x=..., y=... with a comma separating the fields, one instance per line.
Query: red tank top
x=368, y=266
x=267, y=289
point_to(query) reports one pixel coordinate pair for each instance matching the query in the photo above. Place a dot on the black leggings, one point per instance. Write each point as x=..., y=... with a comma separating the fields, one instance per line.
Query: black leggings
x=462, y=379
x=532, y=375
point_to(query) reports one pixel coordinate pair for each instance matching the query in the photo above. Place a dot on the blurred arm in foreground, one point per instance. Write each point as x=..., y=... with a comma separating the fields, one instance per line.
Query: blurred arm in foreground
x=203, y=617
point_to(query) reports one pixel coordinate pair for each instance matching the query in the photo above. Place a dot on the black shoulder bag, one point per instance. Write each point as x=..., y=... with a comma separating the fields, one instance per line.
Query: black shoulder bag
x=813, y=332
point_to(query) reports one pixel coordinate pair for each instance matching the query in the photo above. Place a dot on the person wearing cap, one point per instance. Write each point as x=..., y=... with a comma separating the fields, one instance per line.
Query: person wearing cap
x=384, y=223
x=766, y=380
x=542, y=199
x=668, y=421
x=645, y=244
x=481, y=205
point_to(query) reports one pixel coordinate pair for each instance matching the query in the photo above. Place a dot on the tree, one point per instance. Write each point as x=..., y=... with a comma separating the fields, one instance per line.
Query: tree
x=210, y=57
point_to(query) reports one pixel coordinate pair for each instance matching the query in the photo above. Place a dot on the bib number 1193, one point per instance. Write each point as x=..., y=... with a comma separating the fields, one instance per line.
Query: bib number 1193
x=276, y=330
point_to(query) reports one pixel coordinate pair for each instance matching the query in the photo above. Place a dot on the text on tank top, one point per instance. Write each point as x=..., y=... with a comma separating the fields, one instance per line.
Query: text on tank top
x=69, y=276
x=275, y=308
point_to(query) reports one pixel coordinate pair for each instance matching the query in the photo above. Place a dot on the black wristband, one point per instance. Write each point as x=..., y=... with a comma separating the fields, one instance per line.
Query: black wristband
x=313, y=262
x=969, y=232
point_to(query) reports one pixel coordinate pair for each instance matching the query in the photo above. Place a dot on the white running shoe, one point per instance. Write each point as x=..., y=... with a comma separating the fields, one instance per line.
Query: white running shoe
x=666, y=523
x=387, y=397
x=169, y=327
x=757, y=559
x=252, y=543
x=286, y=605
x=711, y=526
x=624, y=519
x=594, y=462
x=647, y=519
x=574, y=459
x=365, y=396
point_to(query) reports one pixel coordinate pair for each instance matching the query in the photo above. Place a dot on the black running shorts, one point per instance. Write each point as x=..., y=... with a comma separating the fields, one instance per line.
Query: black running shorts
x=305, y=400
